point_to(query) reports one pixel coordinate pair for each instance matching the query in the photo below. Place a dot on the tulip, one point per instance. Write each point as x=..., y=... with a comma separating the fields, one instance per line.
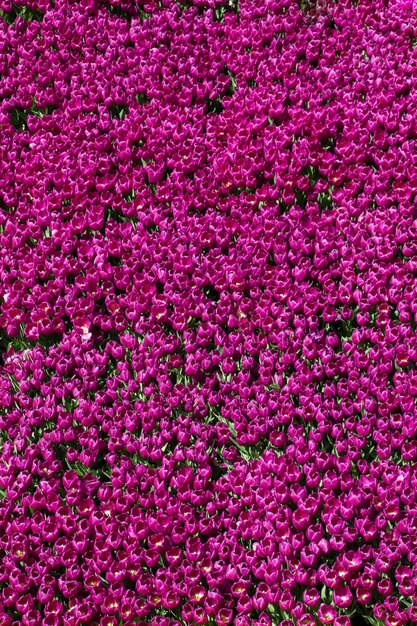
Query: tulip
x=342, y=597
x=207, y=312
x=326, y=614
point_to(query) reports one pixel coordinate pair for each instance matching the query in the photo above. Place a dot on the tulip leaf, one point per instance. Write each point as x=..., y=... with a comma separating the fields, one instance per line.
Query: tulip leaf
x=21, y=11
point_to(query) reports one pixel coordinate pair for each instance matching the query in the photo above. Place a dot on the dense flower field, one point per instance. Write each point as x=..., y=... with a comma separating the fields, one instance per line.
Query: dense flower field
x=208, y=312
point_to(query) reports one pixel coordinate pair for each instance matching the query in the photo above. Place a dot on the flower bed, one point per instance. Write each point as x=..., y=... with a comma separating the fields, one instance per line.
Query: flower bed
x=208, y=312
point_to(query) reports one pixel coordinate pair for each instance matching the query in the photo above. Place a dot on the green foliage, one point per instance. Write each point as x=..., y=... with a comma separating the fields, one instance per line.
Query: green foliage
x=19, y=116
x=26, y=13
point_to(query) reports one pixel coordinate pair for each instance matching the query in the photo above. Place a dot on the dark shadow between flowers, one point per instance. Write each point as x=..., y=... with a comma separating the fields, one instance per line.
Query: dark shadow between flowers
x=4, y=342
